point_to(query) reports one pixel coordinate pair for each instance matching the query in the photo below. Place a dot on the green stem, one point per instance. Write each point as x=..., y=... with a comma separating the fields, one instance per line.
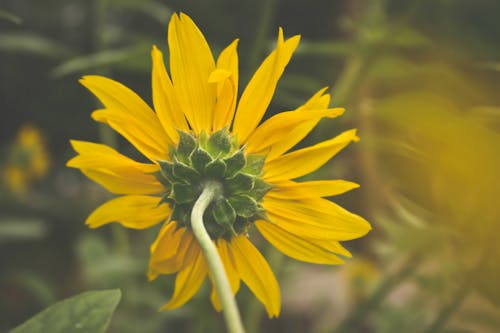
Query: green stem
x=363, y=309
x=211, y=191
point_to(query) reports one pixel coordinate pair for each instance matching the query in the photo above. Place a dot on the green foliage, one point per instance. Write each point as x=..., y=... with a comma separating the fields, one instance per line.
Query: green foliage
x=89, y=312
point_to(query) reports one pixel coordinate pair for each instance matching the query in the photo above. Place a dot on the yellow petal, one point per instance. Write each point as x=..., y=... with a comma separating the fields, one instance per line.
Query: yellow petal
x=315, y=218
x=165, y=250
x=279, y=126
x=226, y=78
x=306, y=160
x=260, y=90
x=189, y=279
x=191, y=63
x=164, y=99
x=296, y=247
x=131, y=211
x=127, y=105
x=256, y=273
x=320, y=100
x=311, y=189
x=231, y=273
x=141, y=135
x=116, y=172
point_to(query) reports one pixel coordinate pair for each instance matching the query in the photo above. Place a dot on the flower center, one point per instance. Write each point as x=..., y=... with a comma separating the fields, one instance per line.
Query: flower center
x=215, y=158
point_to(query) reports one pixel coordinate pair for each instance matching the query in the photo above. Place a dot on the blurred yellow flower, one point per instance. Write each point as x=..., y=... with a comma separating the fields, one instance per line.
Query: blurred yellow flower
x=201, y=133
x=28, y=160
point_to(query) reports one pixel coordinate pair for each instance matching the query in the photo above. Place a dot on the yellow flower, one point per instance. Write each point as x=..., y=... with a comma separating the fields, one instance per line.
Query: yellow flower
x=200, y=131
x=28, y=159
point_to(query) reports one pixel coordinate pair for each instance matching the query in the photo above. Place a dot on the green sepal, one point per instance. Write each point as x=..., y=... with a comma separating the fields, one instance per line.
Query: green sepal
x=199, y=159
x=215, y=169
x=240, y=183
x=180, y=213
x=254, y=164
x=185, y=173
x=219, y=143
x=260, y=188
x=235, y=163
x=166, y=169
x=162, y=178
x=223, y=213
x=215, y=230
x=241, y=225
x=187, y=143
x=182, y=193
x=244, y=205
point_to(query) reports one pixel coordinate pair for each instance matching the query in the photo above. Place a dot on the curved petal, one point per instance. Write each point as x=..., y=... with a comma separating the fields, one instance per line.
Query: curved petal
x=164, y=99
x=279, y=127
x=260, y=90
x=315, y=218
x=130, y=113
x=319, y=100
x=131, y=211
x=116, y=172
x=256, y=273
x=296, y=247
x=306, y=160
x=189, y=279
x=191, y=63
x=139, y=134
x=311, y=189
x=226, y=78
x=165, y=250
x=231, y=273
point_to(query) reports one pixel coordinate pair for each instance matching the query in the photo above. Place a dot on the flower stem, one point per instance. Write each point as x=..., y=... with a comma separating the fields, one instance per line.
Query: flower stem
x=211, y=191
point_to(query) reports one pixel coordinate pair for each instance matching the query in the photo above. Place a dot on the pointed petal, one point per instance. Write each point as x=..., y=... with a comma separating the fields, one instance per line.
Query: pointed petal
x=256, y=273
x=127, y=111
x=131, y=211
x=319, y=100
x=164, y=99
x=189, y=279
x=306, y=160
x=191, y=63
x=226, y=78
x=279, y=126
x=116, y=172
x=295, y=246
x=260, y=90
x=311, y=189
x=166, y=251
x=139, y=134
x=231, y=273
x=315, y=218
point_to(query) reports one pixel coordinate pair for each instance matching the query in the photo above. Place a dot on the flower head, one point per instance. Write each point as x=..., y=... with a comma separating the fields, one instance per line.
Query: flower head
x=199, y=131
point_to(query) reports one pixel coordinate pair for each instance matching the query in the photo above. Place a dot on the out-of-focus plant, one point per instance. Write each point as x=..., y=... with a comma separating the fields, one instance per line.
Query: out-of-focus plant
x=27, y=160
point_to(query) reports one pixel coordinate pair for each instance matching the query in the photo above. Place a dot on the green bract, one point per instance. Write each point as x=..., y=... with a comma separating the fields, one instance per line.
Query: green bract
x=214, y=158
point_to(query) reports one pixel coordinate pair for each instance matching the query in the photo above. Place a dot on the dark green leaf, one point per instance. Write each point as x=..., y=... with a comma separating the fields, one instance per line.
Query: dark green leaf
x=89, y=312
x=244, y=205
x=239, y=183
x=254, y=164
x=223, y=212
x=234, y=163
x=215, y=169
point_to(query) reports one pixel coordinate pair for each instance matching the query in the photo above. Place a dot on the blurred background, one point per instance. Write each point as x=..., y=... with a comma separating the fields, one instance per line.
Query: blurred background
x=420, y=80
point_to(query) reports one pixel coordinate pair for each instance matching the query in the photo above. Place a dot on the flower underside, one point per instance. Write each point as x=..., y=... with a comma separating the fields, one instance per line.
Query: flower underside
x=214, y=158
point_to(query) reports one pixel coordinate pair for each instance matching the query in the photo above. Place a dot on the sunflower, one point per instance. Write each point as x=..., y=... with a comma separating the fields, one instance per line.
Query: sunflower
x=199, y=131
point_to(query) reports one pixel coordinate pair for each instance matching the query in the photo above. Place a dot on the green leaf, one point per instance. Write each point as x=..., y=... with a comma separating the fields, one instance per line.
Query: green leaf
x=6, y=16
x=89, y=312
x=223, y=212
x=16, y=228
x=215, y=169
x=92, y=61
x=182, y=193
x=32, y=44
x=187, y=143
